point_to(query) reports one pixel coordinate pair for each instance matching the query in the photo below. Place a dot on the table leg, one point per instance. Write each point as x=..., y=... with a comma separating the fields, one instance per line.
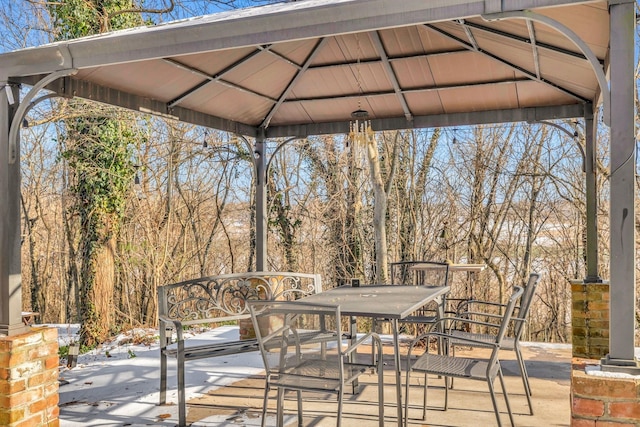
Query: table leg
x=353, y=337
x=396, y=359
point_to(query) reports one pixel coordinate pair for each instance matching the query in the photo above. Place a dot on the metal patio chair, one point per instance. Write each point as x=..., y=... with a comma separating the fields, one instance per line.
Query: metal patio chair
x=474, y=309
x=445, y=364
x=414, y=273
x=304, y=350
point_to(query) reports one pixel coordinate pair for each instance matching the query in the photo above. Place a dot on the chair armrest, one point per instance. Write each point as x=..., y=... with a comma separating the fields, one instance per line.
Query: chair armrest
x=445, y=336
x=452, y=323
x=175, y=324
x=471, y=302
x=468, y=315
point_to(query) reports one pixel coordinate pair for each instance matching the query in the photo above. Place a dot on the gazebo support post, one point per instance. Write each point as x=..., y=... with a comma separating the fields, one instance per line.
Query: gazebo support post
x=621, y=355
x=591, y=225
x=10, y=274
x=260, y=159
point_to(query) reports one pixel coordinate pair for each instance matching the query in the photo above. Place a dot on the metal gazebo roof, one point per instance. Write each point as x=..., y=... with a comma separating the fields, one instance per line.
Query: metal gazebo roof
x=301, y=68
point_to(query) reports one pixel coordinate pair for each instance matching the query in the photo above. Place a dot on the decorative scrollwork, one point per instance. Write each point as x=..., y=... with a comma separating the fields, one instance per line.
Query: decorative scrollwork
x=227, y=295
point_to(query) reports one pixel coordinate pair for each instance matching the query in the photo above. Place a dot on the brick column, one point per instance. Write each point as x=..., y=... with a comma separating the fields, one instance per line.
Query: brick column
x=29, y=379
x=603, y=400
x=590, y=319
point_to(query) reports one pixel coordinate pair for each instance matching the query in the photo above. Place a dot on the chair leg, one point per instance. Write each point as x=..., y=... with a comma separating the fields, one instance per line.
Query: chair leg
x=493, y=400
x=525, y=378
x=163, y=379
x=406, y=396
x=380, y=395
x=424, y=399
x=299, y=396
x=265, y=402
x=340, y=397
x=280, y=408
x=446, y=393
x=182, y=401
x=506, y=397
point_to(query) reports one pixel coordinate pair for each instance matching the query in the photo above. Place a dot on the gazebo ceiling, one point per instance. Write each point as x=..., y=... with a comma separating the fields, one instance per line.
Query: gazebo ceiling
x=302, y=68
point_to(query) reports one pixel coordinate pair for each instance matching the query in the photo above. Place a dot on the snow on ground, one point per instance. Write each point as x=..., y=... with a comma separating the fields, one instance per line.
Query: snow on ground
x=118, y=384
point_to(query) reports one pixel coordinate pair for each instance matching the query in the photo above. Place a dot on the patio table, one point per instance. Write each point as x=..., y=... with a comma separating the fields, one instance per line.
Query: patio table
x=392, y=303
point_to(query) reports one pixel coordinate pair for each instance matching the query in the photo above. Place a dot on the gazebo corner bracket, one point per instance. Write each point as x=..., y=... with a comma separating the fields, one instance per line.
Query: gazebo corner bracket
x=27, y=104
x=571, y=35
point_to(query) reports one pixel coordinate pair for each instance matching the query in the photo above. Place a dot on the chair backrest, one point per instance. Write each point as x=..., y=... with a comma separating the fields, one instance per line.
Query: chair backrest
x=288, y=332
x=504, y=325
x=525, y=303
x=429, y=273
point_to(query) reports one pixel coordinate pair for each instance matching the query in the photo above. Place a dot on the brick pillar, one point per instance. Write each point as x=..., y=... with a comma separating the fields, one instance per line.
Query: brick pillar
x=29, y=379
x=590, y=319
x=603, y=400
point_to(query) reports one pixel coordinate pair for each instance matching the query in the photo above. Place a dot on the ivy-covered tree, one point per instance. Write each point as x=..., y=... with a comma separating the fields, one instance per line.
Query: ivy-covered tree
x=97, y=146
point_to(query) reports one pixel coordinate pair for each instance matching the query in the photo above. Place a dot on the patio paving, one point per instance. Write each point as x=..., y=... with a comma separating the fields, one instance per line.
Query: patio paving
x=549, y=368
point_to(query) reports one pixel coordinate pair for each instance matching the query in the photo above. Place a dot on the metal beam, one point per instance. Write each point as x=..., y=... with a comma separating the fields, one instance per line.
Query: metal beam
x=392, y=59
x=531, y=40
x=534, y=48
x=391, y=74
x=292, y=83
x=497, y=58
x=69, y=87
x=439, y=120
x=217, y=78
x=470, y=37
x=424, y=89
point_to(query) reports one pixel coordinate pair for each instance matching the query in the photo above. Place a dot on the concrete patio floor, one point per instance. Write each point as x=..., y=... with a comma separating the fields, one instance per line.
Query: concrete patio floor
x=469, y=402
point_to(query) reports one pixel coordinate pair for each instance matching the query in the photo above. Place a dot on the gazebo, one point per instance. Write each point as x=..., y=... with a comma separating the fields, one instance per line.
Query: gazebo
x=312, y=67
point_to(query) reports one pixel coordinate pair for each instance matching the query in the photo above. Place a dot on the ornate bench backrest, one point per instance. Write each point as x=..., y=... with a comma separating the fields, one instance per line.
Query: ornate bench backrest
x=224, y=297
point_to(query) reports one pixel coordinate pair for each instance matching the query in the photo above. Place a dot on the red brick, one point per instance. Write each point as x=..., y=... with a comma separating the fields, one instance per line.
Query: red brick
x=22, y=340
x=52, y=362
x=20, y=398
x=587, y=407
x=577, y=422
x=52, y=400
x=51, y=388
x=33, y=421
x=42, y=378
x=11, y=416
x=37, y=406
x=613, y=424
x=16, y=358
x=604, y=387
x=10, y=387
x=50, y=334
x=43, y=350
x=595, y=305
x=53, y=412
x=630, y=410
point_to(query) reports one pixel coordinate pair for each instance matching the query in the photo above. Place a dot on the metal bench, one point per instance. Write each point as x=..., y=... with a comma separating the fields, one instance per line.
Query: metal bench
x=210, y=301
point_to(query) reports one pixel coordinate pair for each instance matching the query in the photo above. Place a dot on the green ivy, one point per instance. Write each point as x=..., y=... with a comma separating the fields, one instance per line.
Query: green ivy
x=99, y=154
